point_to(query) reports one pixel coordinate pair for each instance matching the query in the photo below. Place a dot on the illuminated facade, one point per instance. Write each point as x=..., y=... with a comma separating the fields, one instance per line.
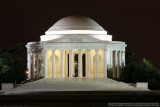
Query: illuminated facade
x=75, y=47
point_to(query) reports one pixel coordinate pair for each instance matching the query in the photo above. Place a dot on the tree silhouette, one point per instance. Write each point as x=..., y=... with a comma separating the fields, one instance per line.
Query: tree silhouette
x=12, y=65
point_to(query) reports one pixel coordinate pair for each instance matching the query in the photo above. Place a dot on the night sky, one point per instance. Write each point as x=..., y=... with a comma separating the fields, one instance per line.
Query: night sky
x=135, y=22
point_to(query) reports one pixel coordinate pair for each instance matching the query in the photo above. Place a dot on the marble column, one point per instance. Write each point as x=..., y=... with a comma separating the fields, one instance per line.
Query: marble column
x=105, y=63
x=118, y=63
x=97, y=64
x=88, y=63
x=115, y=75
x=91, y=67
x=53, y=64
x=114, y=63
x=120, y=59
x=62, y=67
x=79, y=63
x=35, y=70
x=124, y=58
x=45, y=63
x=29, y=64
x=70, y=63
x=66, y=53
x=32, y=65
x=39, y=63
x=37, y=57
x=111, y=58
x=42, y=70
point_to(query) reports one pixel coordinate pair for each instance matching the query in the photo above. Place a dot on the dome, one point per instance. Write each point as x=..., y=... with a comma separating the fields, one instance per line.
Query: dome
x=76, y=25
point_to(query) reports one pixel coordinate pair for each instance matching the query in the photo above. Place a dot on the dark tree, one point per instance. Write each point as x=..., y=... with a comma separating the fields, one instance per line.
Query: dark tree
x=12, y=65
x=130, y=57
x=142, y=72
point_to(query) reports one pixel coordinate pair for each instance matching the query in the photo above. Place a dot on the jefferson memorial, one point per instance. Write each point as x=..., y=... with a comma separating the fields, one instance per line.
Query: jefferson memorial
x=75, y=47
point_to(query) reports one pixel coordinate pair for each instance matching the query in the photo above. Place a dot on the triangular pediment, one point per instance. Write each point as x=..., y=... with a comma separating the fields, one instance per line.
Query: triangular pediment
x=75, y=38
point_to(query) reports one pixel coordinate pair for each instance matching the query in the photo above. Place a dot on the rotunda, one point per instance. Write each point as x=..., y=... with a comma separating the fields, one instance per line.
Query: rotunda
x=75, y=47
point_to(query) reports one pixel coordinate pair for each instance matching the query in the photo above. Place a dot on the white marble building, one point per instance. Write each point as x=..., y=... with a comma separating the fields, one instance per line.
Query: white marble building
x=75, y=47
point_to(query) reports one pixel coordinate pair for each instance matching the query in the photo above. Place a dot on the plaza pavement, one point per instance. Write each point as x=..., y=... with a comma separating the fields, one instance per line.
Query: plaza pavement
x=74, y=84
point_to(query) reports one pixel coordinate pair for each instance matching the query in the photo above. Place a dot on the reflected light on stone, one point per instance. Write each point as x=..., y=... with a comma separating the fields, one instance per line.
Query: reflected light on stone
x=103, y=37
x=76, y=32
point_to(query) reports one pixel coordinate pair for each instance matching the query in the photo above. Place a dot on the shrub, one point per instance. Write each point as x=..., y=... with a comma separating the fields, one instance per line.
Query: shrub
x=143, y=72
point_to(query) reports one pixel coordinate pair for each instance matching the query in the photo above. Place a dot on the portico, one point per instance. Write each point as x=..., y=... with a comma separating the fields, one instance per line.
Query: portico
x=67, y=51
x=64, y=60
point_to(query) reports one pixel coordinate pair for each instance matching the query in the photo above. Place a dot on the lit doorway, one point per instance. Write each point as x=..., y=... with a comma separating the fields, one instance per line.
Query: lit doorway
x=83, y=65
x=75, y=66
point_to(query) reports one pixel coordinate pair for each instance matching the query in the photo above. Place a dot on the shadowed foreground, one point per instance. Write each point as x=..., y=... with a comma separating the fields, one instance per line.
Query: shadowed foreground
x=78, y=98
x=74, y=93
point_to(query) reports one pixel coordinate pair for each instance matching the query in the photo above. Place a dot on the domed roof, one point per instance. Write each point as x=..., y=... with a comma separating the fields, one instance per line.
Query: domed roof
x=76, y=24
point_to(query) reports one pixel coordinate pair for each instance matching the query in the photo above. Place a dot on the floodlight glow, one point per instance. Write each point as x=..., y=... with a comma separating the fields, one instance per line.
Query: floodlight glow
x=76, y=32
x=96, y=36
x=27, y=72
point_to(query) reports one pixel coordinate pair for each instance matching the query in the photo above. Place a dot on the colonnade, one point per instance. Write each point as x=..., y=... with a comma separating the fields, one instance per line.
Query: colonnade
x=33, y=65
x=116, y=61
x=63, y=65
